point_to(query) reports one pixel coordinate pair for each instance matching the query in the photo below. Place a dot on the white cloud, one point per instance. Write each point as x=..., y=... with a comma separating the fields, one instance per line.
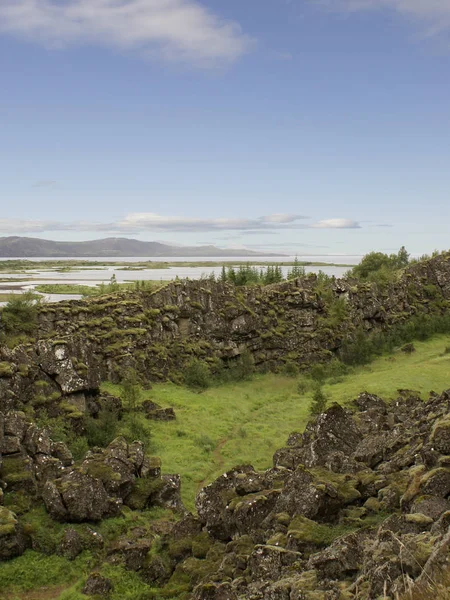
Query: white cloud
x=175, y=30
x=434, y=13
x=337, y=224
x=136, y=223
x=154, y=222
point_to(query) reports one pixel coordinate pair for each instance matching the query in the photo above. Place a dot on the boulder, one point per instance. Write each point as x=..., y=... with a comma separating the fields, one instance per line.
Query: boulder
x=15, y=424
x=97, y=585
x=213, y=500
x=131, y=553
x=13, y=542
x=436, y=483
x=303, y=495
x=342, y=559
x=440, y=436
x=77, y=497
x=268, y=562
x=214, y=591
x=155, y=412
x=71, y=544
x=332, y=431
x=431, y=506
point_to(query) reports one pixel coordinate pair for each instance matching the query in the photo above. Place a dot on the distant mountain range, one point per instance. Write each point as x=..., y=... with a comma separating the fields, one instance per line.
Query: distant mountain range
x=25, y=247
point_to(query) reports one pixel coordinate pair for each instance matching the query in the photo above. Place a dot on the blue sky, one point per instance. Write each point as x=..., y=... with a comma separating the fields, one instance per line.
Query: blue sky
x=302, y=126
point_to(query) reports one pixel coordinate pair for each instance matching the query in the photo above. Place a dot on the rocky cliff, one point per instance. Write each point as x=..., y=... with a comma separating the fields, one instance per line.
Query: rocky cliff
x=303, y=321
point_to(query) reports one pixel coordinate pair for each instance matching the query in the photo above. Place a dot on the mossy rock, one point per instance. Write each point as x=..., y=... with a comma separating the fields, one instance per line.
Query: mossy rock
x=419, y=519
x=278, y=539
x=181, y=548
x=6, y=369
x=309, y=532
x=16, y=473
x=8, y=522
x=343, y=484
x=99, y=470
x=372, y=505
x=440, y=435
x=142, y=493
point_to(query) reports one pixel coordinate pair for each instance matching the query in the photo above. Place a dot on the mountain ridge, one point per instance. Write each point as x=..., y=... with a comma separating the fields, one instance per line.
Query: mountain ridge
x=27, y=247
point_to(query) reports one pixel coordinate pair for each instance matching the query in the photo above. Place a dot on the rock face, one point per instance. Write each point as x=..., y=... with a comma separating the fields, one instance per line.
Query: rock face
x=158, y=333
x=316, y=523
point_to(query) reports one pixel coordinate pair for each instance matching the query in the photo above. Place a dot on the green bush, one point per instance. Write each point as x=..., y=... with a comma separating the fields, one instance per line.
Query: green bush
x=130, y=391
x=290, y=369
x=19, y=316
x=302, y=387
x=101, y=431
x=362, y=347
x=319, y=401
x=197, y=375
x=136, y=427
x=380, y=268
x=205, y=443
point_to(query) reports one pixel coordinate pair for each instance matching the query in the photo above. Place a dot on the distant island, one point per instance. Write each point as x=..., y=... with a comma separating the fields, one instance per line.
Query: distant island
x=26, y=247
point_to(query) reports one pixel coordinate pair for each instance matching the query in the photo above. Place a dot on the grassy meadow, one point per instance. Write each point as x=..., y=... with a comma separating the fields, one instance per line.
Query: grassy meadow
x=245, y=422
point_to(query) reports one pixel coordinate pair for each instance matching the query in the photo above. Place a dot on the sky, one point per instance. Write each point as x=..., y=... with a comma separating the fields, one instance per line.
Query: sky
x=292, y=126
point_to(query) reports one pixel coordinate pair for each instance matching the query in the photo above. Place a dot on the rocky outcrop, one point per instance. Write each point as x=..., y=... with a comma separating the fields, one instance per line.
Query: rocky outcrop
x=33, y=465
x=28, y=457
x=81, y=343
x=316, y=525
x=108, y=479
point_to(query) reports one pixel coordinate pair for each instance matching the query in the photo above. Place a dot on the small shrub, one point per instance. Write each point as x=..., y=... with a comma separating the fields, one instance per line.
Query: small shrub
x=290, y=369
x=318, y=373
x=302, y=387
x=19, y=316
x=102, y=430
x=319, y=401
x=242, y=433
x=79, y=447
x=130, y=391
x=136, y=428
x=197, y=375
x=205, y=443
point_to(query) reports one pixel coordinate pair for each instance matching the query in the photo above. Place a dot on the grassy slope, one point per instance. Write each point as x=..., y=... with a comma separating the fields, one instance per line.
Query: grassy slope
x=246, y=422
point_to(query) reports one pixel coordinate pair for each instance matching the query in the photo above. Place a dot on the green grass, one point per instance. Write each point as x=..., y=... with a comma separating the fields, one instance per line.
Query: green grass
x=247, y=421
x=33, y=571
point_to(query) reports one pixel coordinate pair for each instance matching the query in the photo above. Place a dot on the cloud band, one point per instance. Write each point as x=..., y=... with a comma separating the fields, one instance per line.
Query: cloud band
x=136, y=223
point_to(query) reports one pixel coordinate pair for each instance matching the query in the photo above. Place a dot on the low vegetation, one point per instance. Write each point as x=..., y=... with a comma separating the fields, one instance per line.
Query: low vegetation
x=246, y=421
x=18, y=319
